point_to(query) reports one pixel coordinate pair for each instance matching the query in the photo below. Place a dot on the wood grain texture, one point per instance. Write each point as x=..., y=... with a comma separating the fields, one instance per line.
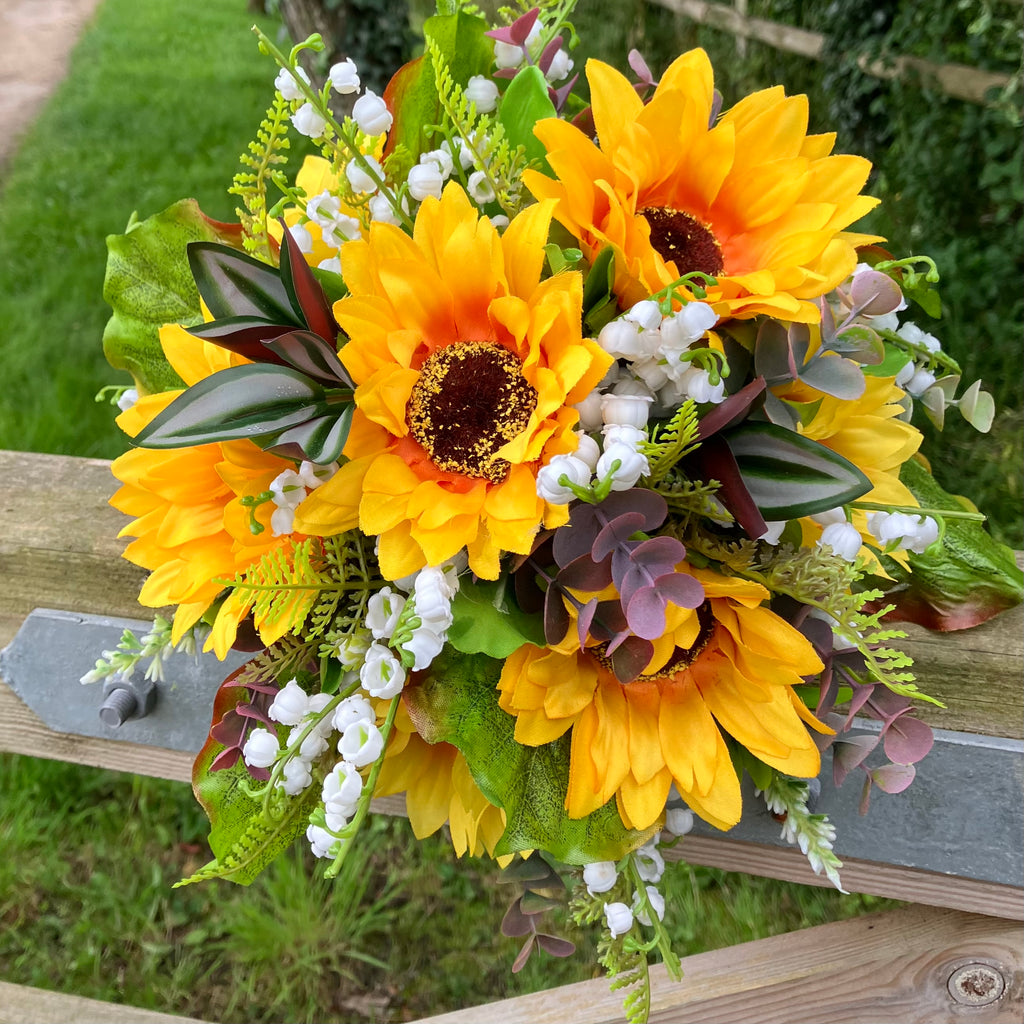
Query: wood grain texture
x=882, y=967
x=59, y=549
x=20, y=1004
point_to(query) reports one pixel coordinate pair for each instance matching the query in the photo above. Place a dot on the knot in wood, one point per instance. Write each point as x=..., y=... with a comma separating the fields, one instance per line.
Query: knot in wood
x=976, y=984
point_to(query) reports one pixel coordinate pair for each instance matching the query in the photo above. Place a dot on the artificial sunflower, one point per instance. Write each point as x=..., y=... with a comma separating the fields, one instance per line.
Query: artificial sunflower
x=438, y=788
x=467, y=368
x=751, y=200
x=189, y=525
x=727, y=667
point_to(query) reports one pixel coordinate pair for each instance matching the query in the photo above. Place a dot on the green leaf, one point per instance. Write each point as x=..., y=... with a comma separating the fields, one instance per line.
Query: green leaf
x=921, y=291
x=599, y=303
x=411, y=94
x=963, y=579
x=148, y=283
x=894, y=360
x=486, y=620
x=789, y=475
x=243, y=838
x=457, y=703
x=526, y=101
x=242, y=401
x=234, y=284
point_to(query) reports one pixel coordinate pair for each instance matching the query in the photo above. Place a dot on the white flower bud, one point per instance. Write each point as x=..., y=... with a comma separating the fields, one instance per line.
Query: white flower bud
x=679, y=820
x=632, y=466
x=696, y=384
x=645, y=314
x=359, y=179
x=290, y=705
x=425, y=180
x=773, y=532
x=382, y=212
x=657, y=902
x=507, y=55
x=351, y=650
x=127, y=399
x=308, y=121
x=344, y=77
x=479, y=188
x=296, y=777
x=260, y=749
x=600, y=876
x=650, y=865
x=382, y=674
x=314, y=743
x=619, y=918
x=313, y=474
x=687, y=325
x=588, y=450
x=302, y=238
x=321, y=841
x=424, y=645
x=626, y=409
x=282, y=522
x=286, y=83
x=361, y=743
x=287, y=489
x=548, y=486
x=590, y=411
x=342, y=788
x=462, y=152
x=352, y=709
x=833, y=515
x=843, y=539
x=383, y=611
x=560, y=66
x=919, y=383
x=371, y=113
x=483, y=92
x=621, y=339
x=622, y=433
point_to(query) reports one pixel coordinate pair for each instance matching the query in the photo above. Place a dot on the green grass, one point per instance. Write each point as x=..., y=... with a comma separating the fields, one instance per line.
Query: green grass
x=87, y=906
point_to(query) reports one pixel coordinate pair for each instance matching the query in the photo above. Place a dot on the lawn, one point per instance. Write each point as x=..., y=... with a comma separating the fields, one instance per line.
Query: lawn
x=161, y=98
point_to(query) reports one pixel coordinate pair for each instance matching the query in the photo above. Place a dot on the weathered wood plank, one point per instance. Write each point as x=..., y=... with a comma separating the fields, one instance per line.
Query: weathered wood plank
x=59, y=549
x=20, y=1004
x=894, y=966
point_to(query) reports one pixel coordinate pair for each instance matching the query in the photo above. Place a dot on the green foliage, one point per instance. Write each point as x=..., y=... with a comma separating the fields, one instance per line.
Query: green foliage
x=457, y=703
x=671, y=441
x=265, y=153
x=486, y=620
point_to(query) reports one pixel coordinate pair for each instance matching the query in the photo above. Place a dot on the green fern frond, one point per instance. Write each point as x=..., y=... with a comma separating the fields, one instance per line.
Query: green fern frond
x=672, y=441
x=483, y=136
x=263, y=154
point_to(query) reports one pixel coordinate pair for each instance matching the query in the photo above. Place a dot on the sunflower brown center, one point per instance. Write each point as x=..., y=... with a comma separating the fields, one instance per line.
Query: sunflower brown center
x=684, y=240
x=471, y=398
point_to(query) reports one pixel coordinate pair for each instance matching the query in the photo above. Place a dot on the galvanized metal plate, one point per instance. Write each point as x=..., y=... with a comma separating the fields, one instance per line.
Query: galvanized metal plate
x=963, y=815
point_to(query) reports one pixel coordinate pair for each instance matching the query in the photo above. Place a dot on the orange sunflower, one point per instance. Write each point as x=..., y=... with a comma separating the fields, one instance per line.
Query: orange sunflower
x=752, y=200
x=727, y=667
x=190, y=526
x=467, y=367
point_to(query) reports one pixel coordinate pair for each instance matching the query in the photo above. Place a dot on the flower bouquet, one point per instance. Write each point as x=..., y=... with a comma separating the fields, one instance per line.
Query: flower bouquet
x=550, y=445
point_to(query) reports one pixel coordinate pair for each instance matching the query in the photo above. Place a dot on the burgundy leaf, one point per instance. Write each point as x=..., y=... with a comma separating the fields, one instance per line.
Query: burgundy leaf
x=518, y=32
x=609, y=624
x=640, y=68
x=631, y=657
x=533, y=903
x=304, y=290
x=651, y=505
x=244, y=335
x=861, y=695
x=515, y=923
x=554, y=945
x=659, y=552
x=887, y=705
x=615, y=533
x=545, y=59
x=584, y=573
x=227, y=758
x=251, y=711
x=848, y=753
x=230, y=729
x=908, y=739
x=865, y=796
x=524, y=954
x=734, y=409
x=714, y=461
x=584, y=617
x=556, y=618
x=893, y=778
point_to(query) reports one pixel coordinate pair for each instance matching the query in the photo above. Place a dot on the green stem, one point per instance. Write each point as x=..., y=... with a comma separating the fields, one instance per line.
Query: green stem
x=938, y=513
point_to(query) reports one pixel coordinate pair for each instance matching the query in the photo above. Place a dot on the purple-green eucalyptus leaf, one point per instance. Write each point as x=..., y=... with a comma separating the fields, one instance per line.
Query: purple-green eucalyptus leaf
x=788, y=475
x=234, y=284
x=907, y=739
x=515, y=924
x=977, y=407
x=833, y=375
x=773, y=354
x=874, y=294
x=585, y=574
x=848, y=753
x=523, y=956
x=240, y=402
x=893, y=778
x=630, y=657
x=555, y=946
x=861, y=343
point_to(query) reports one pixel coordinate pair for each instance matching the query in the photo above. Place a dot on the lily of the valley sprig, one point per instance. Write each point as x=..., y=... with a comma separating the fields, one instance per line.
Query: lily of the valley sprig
x=556, y=460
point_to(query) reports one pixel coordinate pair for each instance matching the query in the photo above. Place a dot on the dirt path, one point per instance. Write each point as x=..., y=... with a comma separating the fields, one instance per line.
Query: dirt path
x=36, y=39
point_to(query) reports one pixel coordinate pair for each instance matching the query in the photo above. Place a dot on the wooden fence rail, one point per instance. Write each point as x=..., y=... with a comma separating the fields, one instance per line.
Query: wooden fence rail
x=960, y=81
x=954, y=956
